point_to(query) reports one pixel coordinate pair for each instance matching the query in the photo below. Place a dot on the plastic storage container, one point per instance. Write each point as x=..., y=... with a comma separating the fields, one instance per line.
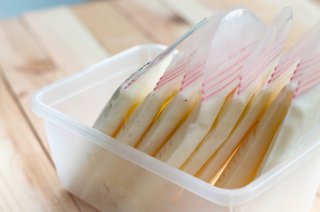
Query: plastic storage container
x=137, y=182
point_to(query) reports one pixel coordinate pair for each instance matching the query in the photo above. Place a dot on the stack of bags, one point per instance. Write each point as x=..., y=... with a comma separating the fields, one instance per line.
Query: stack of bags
x=230, y=105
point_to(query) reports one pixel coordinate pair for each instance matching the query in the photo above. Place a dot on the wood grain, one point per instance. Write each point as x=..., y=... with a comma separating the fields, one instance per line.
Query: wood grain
x=111, y=28
x=190, y=10
x=153, y=18
x=38, y=53
x=28, y=181
x=68, y=43
x=27, y=66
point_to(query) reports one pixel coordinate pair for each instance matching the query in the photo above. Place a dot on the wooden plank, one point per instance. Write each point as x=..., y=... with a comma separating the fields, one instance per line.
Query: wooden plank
x=66, y=40
x=111, y=28
x=39, y=61
x=153, y=18
x=46, y=52
x=27, y=67
x=27, y=179
x=190, y=10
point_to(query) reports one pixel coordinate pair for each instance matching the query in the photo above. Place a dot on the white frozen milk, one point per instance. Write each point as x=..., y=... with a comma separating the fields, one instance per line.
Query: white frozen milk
x=167, y=87
x=253, y=74
x=243, y=166
x=227, y=56
x=127, y=98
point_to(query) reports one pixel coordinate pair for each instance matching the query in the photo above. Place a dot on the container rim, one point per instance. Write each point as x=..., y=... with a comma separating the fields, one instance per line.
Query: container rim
x=224, y=197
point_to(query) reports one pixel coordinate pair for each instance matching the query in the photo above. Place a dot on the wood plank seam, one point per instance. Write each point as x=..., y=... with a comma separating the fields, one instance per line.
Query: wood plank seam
x=117, y=36
x=81, y=50
x=16, y=100
x=9, y=91
x=162, y=24
x=33, y=131
x=15, y=97
x=29, y=121
x=36, y=39
x=131, y=20
x=191, y=11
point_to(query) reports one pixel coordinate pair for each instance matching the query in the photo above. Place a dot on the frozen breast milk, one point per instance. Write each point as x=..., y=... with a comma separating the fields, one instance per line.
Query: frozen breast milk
x=147, y=188
x=230, y=48
x=186, y=138
x=137, y=123
x=251, y=114
x=253, y=74
x=167, y=87
x=285, y=122
x=251, y=97
x=303, y=116
x=182, y=103
x=127, y=97
x=243, y=166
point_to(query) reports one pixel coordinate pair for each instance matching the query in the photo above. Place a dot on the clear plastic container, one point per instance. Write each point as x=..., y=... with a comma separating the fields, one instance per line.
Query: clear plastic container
x=82, y=155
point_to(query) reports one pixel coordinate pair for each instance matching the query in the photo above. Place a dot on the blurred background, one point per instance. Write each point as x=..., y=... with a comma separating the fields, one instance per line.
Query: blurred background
x=10, y=8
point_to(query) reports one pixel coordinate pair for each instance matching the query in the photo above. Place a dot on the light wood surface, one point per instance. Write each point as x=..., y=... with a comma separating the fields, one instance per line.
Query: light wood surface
x=40, y=47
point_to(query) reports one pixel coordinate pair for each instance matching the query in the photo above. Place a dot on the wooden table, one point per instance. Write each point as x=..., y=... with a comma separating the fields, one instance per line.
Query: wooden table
x=41, y=47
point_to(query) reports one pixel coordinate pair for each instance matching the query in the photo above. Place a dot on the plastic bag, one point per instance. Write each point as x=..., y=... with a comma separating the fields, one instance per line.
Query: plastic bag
x=232, y=45
x=130, y=93
x=242, y=168
x=166, y=88
x=126, y=99
x=303, y=116
x=287, y=118
x=181, y=104
x=236, y=24
x=251, y=97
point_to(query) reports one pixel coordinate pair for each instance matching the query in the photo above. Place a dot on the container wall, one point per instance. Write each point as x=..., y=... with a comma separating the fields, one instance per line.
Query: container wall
x=294, y=193
x=111, y=183
x=83, y=97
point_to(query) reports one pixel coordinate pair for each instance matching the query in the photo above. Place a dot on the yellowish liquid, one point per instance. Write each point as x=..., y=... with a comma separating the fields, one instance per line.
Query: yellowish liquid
x=164, y=105
x=114, y=135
